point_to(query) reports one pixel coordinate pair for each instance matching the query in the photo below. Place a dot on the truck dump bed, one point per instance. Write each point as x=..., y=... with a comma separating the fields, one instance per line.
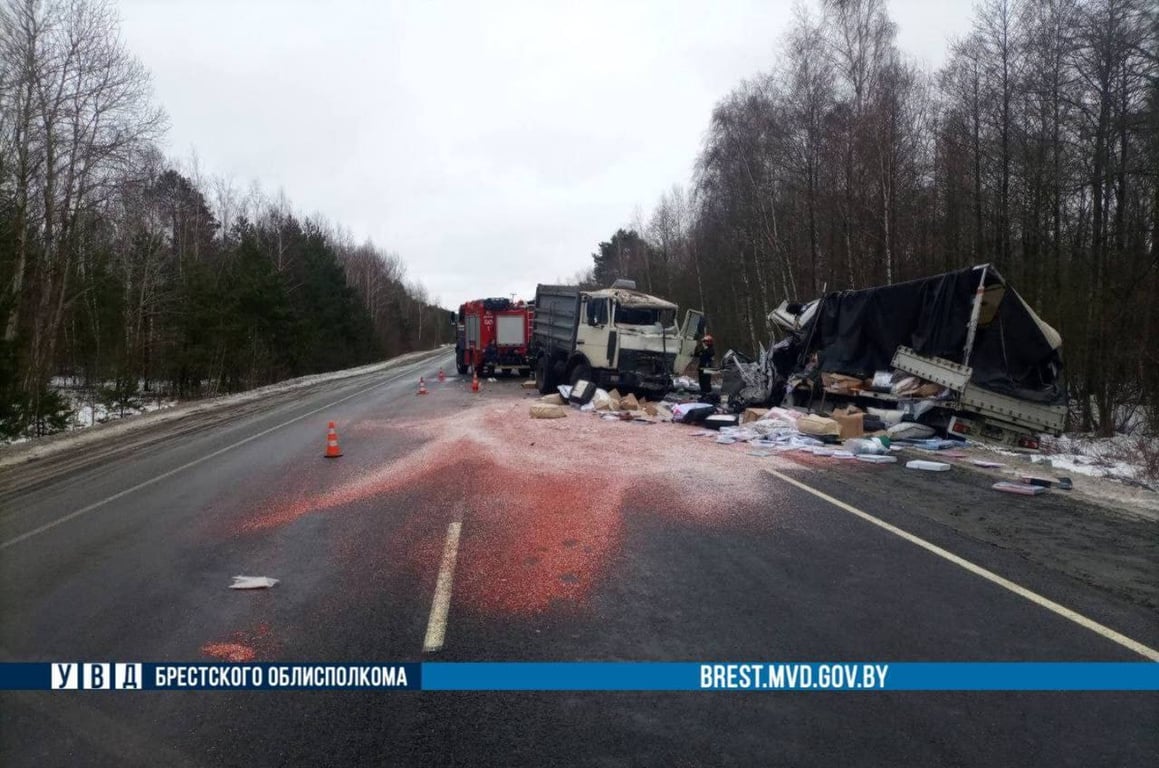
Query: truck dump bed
x=556, y=315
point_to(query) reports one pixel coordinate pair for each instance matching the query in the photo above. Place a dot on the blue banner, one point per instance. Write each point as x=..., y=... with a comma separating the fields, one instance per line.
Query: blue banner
x=586, y=676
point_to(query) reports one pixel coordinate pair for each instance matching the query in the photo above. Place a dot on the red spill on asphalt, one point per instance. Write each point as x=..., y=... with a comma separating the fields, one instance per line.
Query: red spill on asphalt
x=244, y=646
x=228, y=651
x=542, y=502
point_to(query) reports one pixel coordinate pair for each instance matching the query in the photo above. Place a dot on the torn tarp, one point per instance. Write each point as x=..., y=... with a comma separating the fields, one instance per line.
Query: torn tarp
x=1014, y=352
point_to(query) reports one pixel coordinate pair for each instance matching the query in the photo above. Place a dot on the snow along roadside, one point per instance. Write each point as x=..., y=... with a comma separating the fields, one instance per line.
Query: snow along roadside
x=40, y=448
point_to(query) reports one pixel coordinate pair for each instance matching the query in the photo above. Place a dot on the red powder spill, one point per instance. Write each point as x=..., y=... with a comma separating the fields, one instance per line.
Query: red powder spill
x=530, y=542
x=542, y=502
x=244, y=646
x=228, y=651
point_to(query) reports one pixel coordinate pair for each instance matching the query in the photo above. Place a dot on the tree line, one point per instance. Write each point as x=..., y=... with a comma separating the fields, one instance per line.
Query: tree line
x=846, y=165
x=122, y=271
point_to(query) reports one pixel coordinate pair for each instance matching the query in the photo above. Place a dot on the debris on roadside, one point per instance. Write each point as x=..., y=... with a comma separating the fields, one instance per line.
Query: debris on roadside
x=529, y=384
x=872, y=458
x=928, y=466
x=252, y=582
x=1020, y=489
x=547, y=411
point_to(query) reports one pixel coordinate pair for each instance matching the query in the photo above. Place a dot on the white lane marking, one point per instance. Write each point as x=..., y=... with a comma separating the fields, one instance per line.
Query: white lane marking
x=1034, y=597
x=153, y=480
x=437, y=623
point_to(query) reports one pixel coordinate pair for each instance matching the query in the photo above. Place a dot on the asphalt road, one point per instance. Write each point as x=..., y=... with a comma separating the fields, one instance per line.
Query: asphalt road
x=128, y=557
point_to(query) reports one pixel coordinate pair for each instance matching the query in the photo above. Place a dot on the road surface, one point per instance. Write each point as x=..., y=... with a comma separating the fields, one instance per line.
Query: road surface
x=126, y=555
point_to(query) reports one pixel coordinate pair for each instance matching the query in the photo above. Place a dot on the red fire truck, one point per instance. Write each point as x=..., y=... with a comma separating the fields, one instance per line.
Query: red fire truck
x=493, y=336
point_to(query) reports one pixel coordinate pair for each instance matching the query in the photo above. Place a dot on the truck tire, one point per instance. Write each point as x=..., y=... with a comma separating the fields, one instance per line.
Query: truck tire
x=544, y=381
x=460, y=366
x=582, y=372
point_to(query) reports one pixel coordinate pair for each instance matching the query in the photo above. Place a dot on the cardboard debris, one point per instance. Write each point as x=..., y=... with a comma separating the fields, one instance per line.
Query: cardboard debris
x=850, y=422
x=836, y=382
x=553, y=400
x=530, y=384
x=812, y=424
x=1019, y=488
x=753, y=414
x=928, y=466
x=252, y=582
x=651, y=409
x=547, y=411
x=629, y=403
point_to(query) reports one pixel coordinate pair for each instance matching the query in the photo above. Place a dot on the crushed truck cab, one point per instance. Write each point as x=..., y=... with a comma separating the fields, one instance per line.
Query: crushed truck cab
x=615, y=337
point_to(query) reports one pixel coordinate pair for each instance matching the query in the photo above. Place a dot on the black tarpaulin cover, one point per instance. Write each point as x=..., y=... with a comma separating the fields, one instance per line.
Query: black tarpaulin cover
x=857, y=332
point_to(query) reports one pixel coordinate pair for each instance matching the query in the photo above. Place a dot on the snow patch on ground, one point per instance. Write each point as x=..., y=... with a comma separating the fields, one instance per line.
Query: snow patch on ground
x=86, y=415
x=1121, y=457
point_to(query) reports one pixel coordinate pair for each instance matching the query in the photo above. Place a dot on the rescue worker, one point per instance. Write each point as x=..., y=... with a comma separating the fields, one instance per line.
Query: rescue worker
x=704, y=361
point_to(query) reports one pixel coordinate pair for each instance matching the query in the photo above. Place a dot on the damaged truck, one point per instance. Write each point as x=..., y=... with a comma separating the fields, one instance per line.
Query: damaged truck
x=614, y=337
x=961, y=352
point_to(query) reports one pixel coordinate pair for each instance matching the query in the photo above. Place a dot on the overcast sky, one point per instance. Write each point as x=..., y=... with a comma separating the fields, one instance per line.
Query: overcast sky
x=492, y=145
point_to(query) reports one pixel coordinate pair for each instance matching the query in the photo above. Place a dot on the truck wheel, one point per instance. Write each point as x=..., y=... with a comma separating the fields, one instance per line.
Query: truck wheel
x=460, y=366
x=544, y=381
x=582, y=372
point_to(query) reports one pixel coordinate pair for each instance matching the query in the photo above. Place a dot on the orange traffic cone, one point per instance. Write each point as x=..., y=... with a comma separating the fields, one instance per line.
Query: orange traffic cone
x=422, y=386
x=475, y=383
x=442, y=376
x=332, y=449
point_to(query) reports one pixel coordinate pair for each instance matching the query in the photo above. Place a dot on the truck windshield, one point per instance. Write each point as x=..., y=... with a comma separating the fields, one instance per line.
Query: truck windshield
x=644, y=316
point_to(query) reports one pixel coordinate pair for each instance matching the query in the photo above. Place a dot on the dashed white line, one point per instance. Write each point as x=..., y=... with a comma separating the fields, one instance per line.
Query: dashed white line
x=1061, y=610
x=437, y=623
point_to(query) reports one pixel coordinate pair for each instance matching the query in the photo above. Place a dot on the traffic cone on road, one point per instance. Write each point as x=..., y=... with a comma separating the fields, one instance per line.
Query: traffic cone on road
x=332, y=449
x=442, y=376
x=422, y=386
x=475, y=383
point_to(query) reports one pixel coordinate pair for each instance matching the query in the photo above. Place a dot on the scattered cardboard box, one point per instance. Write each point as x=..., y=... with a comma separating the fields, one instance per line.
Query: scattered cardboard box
x=820, y=426
x=753, y=414
x=850, y=422
x=547, y=411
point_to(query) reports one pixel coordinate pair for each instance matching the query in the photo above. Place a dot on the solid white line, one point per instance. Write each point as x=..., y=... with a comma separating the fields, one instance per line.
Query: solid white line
x=153, y=480
x=1034, y=597
x=437, y=623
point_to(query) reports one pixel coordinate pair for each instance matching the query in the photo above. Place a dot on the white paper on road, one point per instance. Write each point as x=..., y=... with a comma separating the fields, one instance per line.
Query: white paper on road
x=252, y=582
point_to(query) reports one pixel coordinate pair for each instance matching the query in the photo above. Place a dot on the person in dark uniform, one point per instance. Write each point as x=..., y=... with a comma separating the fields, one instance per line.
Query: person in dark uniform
x=704, y=361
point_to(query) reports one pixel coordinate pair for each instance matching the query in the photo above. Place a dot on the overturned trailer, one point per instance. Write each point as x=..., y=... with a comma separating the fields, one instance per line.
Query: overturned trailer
x=985, y=365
